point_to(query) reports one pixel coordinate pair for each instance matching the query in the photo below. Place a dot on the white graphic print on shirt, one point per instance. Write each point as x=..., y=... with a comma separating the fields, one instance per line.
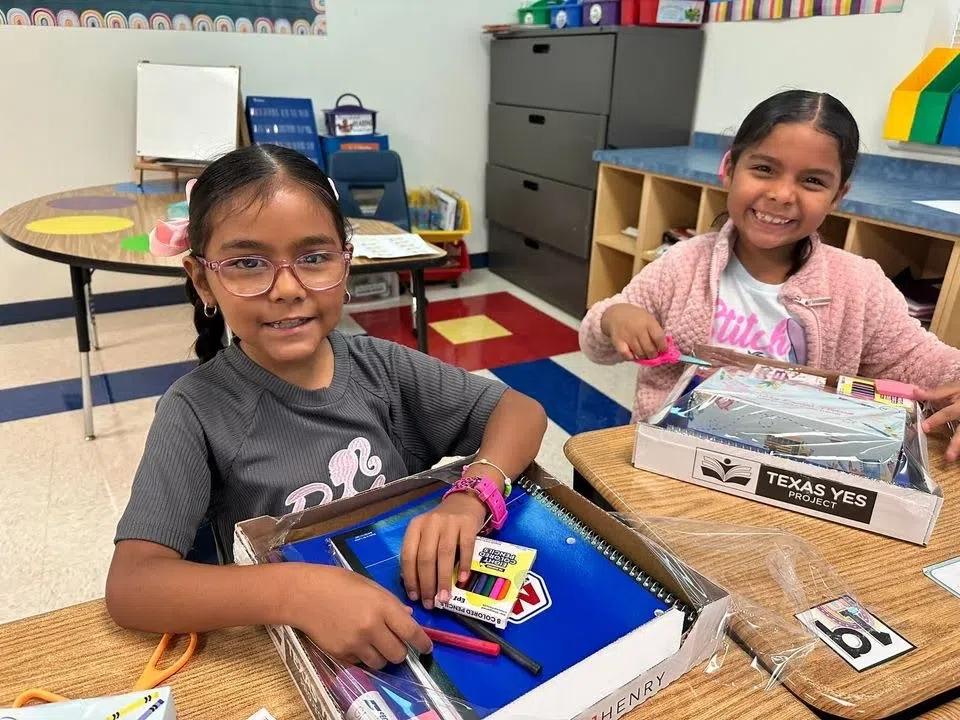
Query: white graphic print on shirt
x=343, y=468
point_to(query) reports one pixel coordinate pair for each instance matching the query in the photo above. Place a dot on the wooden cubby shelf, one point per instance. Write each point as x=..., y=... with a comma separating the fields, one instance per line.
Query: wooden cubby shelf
x=653, y=203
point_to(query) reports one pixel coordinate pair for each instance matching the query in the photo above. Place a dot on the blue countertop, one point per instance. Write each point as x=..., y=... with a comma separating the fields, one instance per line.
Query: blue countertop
x=883, y=188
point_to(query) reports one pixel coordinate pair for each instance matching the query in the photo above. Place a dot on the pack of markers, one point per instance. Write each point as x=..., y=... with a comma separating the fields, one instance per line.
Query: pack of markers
x=846, y=449
x=558, y=563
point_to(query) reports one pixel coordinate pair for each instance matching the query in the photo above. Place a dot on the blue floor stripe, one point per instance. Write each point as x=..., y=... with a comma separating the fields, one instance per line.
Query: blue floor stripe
x=571, y=403
x=49, y=398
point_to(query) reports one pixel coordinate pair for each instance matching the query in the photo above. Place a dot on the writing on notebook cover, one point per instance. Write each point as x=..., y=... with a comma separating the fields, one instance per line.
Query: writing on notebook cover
x=533, y=599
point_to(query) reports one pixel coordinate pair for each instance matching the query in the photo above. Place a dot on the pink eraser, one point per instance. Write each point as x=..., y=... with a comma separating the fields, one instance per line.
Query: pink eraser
x=892, y=388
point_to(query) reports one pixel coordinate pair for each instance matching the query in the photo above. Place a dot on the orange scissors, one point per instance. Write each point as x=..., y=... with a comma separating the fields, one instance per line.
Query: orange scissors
x=151, y=676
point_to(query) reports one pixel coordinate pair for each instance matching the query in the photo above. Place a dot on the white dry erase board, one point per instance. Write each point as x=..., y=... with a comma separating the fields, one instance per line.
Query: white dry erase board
x=186, y=112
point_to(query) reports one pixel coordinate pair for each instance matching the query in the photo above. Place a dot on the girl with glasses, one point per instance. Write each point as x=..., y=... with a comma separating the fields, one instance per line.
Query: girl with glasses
x=295, y=414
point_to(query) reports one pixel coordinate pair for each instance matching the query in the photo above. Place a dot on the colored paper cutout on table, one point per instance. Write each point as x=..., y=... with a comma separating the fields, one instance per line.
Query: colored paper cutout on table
x=737, y=10
x=290, y=17
x=80, y=225
x=91, y=202
x=136, y=243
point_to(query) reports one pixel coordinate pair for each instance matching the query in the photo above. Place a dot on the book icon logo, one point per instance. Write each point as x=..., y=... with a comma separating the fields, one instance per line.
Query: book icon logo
x=533, y=599
x=724, y=469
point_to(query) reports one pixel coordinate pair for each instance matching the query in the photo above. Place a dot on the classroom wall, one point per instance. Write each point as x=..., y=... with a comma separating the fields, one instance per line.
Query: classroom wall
x=860, y=59
x=424, y=64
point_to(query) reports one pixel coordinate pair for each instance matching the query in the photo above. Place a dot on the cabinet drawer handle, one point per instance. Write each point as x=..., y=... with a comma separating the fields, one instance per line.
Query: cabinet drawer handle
x=537, y=119
x=531, y=243
x=541, y=48
x=531, y=185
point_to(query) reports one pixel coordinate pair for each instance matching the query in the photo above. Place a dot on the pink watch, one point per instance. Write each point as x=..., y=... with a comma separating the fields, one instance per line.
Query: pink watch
x=489, y=494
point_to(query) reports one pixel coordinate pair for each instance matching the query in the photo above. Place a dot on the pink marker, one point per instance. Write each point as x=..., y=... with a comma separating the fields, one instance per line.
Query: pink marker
x=892, y=388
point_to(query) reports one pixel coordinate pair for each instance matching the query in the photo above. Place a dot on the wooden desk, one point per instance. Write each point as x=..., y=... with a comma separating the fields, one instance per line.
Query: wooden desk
x=884, y=574
x=79, y=652
x=109, y=233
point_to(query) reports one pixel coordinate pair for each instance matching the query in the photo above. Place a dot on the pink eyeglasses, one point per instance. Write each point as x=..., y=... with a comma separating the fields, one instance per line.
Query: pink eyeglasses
x=253, y=275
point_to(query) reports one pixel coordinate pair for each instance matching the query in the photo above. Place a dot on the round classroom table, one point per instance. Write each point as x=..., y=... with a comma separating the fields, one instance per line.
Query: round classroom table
x=106, y=228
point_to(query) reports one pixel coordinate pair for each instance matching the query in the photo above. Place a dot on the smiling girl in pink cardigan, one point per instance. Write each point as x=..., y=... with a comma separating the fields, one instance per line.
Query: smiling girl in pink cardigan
x=766, y=284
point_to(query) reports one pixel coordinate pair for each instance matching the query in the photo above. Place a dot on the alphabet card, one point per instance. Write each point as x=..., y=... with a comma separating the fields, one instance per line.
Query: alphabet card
x=862, y=639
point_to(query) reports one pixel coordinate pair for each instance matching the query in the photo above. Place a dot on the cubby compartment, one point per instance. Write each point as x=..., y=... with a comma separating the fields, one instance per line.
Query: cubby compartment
x=713, y=204
x=665, y=204
x=834, y=230
x=618, y=208
x=895, y=249
x=610, y=271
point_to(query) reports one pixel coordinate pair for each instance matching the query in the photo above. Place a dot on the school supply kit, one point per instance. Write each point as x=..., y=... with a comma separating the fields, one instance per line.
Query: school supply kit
x=846, y=449
x=506, y=645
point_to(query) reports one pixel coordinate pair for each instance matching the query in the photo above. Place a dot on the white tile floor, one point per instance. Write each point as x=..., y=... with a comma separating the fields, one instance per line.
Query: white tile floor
x=62, y=495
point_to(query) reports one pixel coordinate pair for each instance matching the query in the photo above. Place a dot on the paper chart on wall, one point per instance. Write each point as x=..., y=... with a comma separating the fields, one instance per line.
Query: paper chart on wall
x=282, y=17
x=740, y=10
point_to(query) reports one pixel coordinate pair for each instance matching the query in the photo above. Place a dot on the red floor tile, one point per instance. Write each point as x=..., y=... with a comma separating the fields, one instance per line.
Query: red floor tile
x=535, y=335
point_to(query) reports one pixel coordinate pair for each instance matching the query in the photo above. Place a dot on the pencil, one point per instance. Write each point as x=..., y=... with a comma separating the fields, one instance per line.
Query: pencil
x=478, y=628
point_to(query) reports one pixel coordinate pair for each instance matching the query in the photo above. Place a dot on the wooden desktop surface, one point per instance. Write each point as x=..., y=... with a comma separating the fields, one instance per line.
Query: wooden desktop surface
x=79, y=652
x=105, y=249
x=884, y=574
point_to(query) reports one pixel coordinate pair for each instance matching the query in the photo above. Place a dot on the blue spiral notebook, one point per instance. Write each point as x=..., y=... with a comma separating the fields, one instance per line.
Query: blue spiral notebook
x=578, y=583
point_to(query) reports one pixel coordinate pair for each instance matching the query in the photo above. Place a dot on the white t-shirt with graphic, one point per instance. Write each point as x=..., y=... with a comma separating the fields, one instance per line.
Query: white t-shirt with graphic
x=749, y=317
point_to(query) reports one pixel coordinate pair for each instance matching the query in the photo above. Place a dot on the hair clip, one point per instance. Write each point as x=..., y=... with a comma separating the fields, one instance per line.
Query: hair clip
x=169, y=237
x=333, y=188
x=723, y=164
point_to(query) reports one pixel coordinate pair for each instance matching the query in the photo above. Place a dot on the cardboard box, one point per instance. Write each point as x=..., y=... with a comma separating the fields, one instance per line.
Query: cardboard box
x=900, y=512
x=252, y=541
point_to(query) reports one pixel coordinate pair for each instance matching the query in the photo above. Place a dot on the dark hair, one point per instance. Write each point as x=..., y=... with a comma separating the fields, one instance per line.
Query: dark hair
x=251, y=174
x=827, y=114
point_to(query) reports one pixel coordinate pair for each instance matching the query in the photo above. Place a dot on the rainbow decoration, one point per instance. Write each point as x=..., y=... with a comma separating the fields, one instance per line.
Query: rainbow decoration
x=283, y=17
x=738, y=10
x=925, y=107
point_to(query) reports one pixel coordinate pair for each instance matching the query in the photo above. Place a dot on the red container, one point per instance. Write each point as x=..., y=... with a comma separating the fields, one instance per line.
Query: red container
x=665, y=13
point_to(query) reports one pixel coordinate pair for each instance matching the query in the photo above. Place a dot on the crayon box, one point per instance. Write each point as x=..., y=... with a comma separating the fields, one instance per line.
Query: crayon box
x=497, y=573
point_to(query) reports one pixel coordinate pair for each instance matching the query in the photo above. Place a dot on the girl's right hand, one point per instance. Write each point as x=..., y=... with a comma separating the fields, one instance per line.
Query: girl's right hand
x=634, y=332
x=353, y=619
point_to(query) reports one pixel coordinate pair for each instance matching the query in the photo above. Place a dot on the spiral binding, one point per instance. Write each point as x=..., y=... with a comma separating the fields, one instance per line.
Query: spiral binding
x=608, y=550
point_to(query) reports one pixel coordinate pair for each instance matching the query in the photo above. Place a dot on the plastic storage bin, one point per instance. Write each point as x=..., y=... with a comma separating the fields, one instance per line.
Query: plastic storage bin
x=536, y=13
x=566, y=15
x=601, y=12
x=906, y=97
x=458, y=260
x=373, y=286
x=675, y=13
x=933, y=104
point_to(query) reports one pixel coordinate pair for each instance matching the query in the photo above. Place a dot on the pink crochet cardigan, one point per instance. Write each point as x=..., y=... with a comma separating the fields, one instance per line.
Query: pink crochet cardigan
x=854, y=318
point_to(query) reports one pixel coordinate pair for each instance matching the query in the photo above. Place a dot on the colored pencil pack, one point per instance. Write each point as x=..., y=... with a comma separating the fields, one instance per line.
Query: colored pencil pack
x=498, y=571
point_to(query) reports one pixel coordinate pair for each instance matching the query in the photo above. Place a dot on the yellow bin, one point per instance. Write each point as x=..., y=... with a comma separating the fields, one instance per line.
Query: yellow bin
x=906, y=96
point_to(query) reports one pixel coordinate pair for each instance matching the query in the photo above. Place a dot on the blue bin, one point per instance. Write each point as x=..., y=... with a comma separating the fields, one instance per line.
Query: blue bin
x=565, y=16
x=951, y=124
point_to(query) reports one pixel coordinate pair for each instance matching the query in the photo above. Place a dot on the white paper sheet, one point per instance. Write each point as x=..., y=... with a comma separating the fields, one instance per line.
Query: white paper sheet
x=950, y=206
x=946, y=574
x=382, y=247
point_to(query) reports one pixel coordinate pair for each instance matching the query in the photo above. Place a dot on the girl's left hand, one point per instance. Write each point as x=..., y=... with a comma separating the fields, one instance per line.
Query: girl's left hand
x=431, y=543
x=947, y=398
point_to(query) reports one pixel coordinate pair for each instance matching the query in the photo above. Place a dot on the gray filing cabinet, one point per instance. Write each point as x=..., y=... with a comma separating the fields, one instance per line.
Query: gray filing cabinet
x=555, y=97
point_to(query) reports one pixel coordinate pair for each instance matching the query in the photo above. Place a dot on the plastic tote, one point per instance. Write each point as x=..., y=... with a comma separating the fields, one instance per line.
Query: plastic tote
x=602, y=12
x=565, y=16
x=342, y=120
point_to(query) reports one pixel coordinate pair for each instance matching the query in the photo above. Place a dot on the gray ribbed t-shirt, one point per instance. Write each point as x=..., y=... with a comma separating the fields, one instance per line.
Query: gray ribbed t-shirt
x=231, y=441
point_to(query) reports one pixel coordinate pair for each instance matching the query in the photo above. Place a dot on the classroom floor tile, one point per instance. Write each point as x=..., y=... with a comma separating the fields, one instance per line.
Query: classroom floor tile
x=63, y=495
x=475, y=328
x=533, y=334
